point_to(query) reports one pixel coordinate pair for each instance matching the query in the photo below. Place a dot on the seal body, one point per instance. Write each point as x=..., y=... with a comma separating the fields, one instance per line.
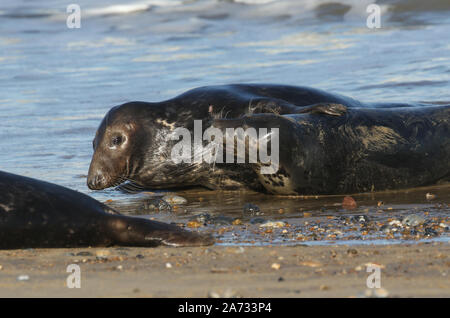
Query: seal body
x=362, y=150
x=38, y=214
x=132, y=144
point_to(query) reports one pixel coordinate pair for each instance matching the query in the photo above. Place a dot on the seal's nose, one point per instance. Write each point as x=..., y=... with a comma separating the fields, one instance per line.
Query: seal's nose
x=96, y=181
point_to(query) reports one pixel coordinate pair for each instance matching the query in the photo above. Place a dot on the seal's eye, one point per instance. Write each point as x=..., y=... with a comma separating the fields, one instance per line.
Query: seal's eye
x=116, y=140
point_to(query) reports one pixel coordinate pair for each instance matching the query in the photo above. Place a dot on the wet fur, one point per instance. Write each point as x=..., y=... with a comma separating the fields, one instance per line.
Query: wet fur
x=35, y=213
x=151, y=167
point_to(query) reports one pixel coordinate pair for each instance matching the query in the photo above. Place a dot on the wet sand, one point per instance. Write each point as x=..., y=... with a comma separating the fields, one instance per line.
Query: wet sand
x=249, y=218
x=417, y=270
x=315, y=248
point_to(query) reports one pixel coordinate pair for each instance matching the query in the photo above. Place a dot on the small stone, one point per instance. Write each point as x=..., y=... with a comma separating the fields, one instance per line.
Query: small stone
x=310, y=264
x=139, y=256
x=251, y=209
x=274, y=224
x=324, y=287
x=430, y=196
x=360, y=219
x=23, y=278
x=174, y=199
x=349, y=203
x=430, y=232
x=213, y=294
x=395, y=223
x=1, y=267
x=237, y=222
x=280, y=279
x=193, y=224
x=102, y=253
x=413, y=220
x=276, y=266
x=168, y=265
x=201, y=218
x=157, y=204
x=352, y=251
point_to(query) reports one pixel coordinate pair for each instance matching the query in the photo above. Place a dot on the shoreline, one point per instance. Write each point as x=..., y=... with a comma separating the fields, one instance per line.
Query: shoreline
x=418, y=270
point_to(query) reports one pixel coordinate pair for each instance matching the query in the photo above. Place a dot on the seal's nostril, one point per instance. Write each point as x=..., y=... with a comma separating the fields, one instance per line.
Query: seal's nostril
x=99, y=179
x=94, y=182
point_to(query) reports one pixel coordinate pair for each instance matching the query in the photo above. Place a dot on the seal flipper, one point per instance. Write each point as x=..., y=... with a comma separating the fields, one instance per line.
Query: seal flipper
x=331, y=109
x=135, y=231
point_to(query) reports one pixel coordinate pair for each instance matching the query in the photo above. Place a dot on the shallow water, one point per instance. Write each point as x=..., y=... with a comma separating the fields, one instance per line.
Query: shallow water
x=57, y=83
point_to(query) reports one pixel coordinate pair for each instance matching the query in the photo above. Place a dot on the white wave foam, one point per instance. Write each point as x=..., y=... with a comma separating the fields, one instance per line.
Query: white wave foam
x=130, y=7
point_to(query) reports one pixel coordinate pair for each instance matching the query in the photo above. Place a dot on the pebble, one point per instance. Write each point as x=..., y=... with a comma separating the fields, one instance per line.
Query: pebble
x=194, y=224
x=349, y=203
x=430, y=232
x=174, y=199
x=1, y=267
x=360, y=219
x=237, y=222
x=168, y=265
x=157, y=204
x=102, y=253
x=352, y=251
x=201, y=218
x=430, y=196
x=251, y=209
x=395, y=223
x=22, y=278
x=276, y=266
x=413, y=220
x=275, y=224
x=310, y=264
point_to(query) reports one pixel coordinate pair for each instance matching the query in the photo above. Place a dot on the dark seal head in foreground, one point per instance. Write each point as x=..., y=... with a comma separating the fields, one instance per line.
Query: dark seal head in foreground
x=38, y=214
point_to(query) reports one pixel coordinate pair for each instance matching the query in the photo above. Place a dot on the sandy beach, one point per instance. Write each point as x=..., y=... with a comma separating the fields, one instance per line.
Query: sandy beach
x=417, y=270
